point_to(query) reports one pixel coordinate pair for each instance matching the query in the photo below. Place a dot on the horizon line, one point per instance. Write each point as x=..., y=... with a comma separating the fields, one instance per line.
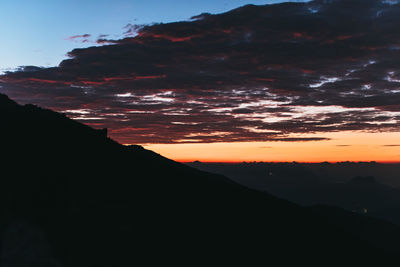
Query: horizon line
x=299, y=162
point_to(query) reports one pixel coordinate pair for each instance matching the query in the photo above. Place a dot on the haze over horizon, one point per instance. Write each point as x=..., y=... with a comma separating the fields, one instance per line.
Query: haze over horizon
x=308, y=81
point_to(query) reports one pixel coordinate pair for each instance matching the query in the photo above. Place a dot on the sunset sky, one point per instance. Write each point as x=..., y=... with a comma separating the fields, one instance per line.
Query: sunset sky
x=215, y=80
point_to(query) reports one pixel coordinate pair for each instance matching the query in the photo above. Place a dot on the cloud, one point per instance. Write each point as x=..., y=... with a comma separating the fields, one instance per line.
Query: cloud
x=256, y=73
x=299, y=139
x=392, y=145
x=84, y=38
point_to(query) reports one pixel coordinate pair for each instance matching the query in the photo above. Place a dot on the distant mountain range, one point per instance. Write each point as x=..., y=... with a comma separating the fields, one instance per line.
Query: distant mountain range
x=70, y=196
x=345, y=185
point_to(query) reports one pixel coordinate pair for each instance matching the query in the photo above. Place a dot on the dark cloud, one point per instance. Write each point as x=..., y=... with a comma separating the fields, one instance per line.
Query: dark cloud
x=299, y=139
x=392, y=145
x=256, y=73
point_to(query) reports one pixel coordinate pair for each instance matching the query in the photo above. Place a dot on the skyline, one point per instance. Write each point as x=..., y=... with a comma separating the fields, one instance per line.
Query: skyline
x=354, y=147
x=287, y=82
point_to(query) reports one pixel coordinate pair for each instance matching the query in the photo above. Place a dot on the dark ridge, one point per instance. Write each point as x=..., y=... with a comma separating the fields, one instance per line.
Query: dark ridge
x=363, y=180
x=6, y=102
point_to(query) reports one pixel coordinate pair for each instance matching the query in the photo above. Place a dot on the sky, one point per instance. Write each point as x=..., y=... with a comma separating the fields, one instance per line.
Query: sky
x=36, y=32
x=306, y=81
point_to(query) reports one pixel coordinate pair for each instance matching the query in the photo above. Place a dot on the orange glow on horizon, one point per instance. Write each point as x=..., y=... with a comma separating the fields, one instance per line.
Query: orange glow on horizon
x=305, y=162
x=343, y=146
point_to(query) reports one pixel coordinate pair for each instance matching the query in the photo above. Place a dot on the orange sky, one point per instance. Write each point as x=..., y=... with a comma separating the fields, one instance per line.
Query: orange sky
x=343, y=146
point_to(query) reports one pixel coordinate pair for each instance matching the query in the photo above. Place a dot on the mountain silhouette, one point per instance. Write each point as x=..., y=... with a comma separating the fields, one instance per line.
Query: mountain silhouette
x=70, y=196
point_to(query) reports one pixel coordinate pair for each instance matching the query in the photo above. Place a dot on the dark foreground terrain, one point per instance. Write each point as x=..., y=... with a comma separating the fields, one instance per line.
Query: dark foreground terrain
x=70, y=196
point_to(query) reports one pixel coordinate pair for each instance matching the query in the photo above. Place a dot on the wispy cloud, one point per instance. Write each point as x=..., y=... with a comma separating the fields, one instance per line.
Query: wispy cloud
x=84, y=38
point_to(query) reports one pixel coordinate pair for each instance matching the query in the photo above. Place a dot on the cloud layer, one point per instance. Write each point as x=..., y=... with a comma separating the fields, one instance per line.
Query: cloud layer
x=256, y=73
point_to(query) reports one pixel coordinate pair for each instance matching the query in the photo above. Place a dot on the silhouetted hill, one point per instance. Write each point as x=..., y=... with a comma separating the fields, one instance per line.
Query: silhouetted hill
x=72, y=197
